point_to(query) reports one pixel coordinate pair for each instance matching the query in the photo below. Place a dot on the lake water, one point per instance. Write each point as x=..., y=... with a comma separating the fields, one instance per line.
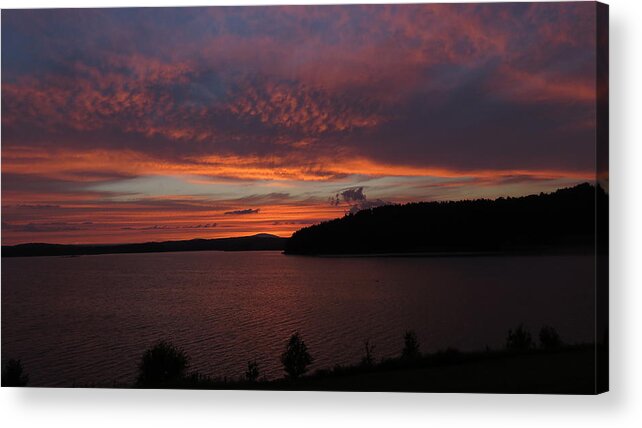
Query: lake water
x=87, y=320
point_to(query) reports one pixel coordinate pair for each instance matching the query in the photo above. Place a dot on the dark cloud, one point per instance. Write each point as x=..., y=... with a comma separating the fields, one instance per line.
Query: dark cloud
x=356, y=200
x=200, y=226
x=349, y=195
x=170, y=227
x=353, y=195
x=243, y=212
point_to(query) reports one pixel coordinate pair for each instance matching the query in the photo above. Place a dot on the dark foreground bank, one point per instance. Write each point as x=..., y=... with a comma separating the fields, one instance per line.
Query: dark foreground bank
x=562, y=372
x=568, y=370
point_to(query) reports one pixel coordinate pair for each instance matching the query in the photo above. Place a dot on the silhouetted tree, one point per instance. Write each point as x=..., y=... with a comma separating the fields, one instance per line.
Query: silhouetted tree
x=162, y=363
x=252, y=372
x=549, y=338
x=13, y=374
x=519, y=340
x=411, y=345
x=368, y=359
x=296, y=358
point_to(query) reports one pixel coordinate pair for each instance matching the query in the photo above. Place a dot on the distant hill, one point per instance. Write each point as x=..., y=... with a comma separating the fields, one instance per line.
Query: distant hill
x=262, y=241
x=560, y=221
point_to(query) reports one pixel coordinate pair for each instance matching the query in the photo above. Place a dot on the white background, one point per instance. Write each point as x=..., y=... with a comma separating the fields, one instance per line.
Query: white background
x=620, y=407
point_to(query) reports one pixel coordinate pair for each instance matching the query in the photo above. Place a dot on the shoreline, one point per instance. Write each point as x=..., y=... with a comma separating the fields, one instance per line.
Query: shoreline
x=439, y=254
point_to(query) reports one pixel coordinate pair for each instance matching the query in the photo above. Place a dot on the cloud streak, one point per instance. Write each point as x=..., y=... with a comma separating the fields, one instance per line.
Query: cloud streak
x=243, y=212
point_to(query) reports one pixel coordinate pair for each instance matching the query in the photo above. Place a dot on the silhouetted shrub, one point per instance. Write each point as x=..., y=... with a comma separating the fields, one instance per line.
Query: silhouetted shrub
x=296, y=358
x=252, y=372
x=368, y=358
x=162, y=363
x=13, y=374
x=411, y=345
x=549, y=338
x=519, y=340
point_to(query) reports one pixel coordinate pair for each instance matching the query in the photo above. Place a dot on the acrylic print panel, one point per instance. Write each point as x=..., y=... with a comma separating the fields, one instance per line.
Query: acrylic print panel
x=350, y=198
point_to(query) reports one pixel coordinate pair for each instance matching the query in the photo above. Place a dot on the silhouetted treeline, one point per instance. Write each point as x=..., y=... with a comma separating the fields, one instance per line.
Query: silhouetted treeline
x=246, y=243
x=564, y=219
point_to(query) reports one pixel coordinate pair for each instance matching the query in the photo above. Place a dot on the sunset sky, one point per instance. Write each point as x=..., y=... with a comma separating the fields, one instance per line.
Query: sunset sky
x=131, y=125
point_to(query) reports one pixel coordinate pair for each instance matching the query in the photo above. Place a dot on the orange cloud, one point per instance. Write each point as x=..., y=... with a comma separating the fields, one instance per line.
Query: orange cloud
x=295, y=105
x=80, y=165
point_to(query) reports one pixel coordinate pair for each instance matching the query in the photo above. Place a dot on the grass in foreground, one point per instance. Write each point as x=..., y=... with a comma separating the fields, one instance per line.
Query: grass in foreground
x=565, y=370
